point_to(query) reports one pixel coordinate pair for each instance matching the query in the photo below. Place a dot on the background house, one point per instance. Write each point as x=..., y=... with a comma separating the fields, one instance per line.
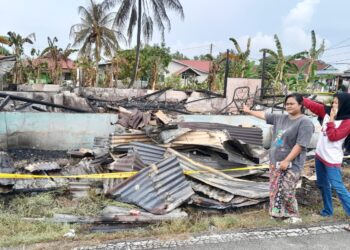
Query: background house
x=331, y=78
x=66, y=67
x=189, y=70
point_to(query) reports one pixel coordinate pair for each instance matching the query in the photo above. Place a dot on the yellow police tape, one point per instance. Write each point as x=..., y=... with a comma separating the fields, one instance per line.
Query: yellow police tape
x=324, y=93
x=117, y=175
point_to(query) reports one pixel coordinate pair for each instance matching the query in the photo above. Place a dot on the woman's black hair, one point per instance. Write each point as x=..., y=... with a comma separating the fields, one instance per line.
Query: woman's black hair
x=299, y=98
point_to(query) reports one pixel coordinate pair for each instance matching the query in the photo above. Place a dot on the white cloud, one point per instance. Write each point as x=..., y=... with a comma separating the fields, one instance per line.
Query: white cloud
x=301, y=14
x=295, y=35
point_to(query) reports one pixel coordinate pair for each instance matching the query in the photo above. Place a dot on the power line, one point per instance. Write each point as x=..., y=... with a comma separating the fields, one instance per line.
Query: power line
x=337, y=44
x=337, y=54
x=345, y=46
x=348, y=59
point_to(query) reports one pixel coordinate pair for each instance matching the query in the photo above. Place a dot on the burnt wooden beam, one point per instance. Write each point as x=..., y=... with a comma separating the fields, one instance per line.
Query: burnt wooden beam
x=4, y=102
x=25, y=99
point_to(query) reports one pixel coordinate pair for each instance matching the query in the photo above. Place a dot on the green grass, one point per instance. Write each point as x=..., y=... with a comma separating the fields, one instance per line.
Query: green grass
x=17, y=231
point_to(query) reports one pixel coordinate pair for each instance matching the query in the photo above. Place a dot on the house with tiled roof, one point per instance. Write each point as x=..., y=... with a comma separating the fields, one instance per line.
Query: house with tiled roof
x=332, y=78
x=66, y=67
x=189, y=70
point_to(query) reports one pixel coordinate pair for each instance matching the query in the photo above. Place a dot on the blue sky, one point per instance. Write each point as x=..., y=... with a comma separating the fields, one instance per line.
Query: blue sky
x=206, y=22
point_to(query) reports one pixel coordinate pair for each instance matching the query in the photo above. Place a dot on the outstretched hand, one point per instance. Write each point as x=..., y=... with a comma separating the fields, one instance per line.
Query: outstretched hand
x=245, y=109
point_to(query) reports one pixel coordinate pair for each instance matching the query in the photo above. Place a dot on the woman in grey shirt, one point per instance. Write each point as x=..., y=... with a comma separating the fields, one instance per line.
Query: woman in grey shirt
x=291, y=135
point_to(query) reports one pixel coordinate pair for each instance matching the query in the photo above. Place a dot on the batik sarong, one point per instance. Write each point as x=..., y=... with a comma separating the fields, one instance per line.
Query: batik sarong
x=283, y=203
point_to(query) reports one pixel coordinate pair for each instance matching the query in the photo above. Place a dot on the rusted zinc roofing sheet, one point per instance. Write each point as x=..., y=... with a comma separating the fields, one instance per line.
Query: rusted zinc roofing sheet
x=148, y=153
x=118, y=139
x=214, y=139
x=215, y=178
x=159, y=188
x=131, y=162
x=249, y=135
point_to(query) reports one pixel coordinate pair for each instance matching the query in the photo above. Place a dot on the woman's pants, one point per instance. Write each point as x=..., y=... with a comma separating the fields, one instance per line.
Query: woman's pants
x=329, y=178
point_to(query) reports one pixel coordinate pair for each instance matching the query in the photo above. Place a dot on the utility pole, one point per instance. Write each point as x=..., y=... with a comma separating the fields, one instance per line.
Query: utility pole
x=263, y=76
x=211, y=50
x=227, y=66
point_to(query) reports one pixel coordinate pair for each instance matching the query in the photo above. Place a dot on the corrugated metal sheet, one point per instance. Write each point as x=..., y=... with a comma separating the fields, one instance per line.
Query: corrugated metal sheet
x=212, y=192
x=214, y=139
x=214, y=204
x=128, y=163
x=249, y=135
x=101, y=142
x=221, y=180
x=159, y=188
x=221, y=164
x=119, y=139
x=148, y=153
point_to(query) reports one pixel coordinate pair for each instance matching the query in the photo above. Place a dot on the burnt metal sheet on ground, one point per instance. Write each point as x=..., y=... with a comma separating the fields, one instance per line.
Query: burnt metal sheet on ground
x=222, y=164
x=6, y=166
x=43, y=166
x=148, y=153
x=32, y=185
x=115, y=214
x=159, y=188
x=214, y=204
x=215, y=178
x=212, y=192
x=249, y=135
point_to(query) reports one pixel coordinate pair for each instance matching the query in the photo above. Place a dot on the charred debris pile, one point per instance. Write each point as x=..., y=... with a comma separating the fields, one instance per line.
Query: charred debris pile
x=153, y=160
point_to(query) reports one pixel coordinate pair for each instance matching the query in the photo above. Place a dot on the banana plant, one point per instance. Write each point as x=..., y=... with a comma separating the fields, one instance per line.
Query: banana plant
x=16, y=41
x=314, y=55
x=241, y=59
x=283, y=63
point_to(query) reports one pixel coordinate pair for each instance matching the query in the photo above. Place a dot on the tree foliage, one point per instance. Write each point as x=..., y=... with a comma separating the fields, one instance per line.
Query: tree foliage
x=144, y=14
x=94, y=35
x=282, y=63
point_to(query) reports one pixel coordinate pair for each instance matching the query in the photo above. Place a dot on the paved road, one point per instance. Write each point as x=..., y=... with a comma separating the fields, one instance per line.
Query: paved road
x=332, y=237
x=330, y=241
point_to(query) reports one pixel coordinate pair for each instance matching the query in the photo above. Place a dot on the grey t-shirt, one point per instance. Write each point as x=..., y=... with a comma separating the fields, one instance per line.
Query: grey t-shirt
x=286, y=134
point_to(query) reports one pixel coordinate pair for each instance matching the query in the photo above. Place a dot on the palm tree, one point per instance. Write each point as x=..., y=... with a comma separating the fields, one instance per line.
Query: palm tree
x=314, y=55
x=241, y=58
x=143, y=13
x=16, y=41
x=95, y=34
x=282, y=62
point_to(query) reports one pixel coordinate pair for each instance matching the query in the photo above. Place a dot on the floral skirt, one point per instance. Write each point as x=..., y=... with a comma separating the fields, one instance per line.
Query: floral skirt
x=283, y=184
